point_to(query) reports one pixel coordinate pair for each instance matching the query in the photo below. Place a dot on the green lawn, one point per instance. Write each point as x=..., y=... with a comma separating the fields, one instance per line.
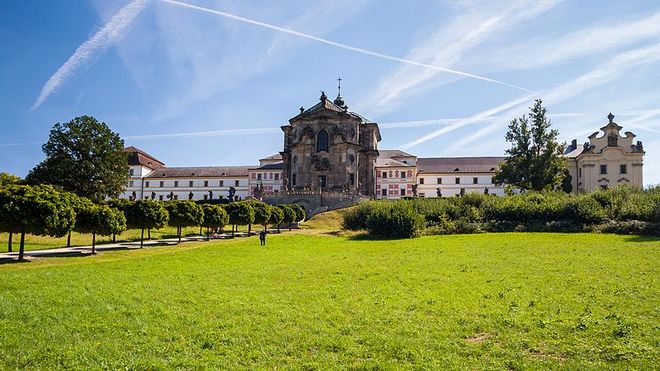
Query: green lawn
x=575, y=301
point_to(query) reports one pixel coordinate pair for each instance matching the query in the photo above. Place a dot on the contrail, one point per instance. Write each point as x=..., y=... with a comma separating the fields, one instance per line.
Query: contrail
x=340, y=45
x=213, y=133
x=111, y=32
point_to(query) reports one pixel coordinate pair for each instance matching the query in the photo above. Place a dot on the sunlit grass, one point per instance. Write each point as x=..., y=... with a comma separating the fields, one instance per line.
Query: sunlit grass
x=501, y=301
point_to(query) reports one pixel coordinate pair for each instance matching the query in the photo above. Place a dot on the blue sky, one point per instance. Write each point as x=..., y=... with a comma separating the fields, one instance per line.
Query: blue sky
x=209, y=82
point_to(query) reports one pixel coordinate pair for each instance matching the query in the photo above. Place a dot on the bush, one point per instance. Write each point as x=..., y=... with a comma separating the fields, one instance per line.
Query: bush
x=355, y=219
x=629, y=227
x=395, y=220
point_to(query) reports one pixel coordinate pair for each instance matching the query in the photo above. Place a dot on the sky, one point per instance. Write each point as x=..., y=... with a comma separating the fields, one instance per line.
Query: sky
x=210, y=82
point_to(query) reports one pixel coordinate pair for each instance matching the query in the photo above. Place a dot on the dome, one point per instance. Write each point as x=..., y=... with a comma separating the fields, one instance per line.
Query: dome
x=339, y=101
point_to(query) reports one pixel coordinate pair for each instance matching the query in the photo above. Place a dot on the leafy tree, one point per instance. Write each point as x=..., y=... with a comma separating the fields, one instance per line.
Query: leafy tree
x=184, y=214
x=8, y=179
x=534, y=160
x=300, y=212
x=100, y=219
x=262, y=213
x=39, y=210
x=276, y=217
x=240, y=213
x=290, y=215
x=85, y=157
x=215, y=217
x=143, y=214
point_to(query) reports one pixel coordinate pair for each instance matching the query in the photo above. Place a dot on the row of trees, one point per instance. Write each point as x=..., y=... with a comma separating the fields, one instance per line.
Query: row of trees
x=46, y=210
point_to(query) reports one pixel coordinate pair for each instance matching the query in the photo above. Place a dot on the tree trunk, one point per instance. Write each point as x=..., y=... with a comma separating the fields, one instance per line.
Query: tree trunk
x=149, y=234
x=142, y=239
x=114, y=238
x=233, y=227
x=179, y=232
x=9, y=242
x=68, y=240
x=249, y=229
x=93, y=243
x=200, y=230
x=208, y=234
x=278, y=228
x=21, y=249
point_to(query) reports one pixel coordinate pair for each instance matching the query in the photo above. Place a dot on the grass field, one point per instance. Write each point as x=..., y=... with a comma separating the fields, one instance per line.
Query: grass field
x=578, y=301
x=45, y=242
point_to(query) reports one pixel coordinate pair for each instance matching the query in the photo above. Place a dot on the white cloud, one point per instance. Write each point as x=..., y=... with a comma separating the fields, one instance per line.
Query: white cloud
x=110, y=33
x=447, y=46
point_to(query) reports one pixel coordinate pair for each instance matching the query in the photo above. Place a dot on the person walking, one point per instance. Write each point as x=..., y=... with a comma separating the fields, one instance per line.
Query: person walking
x=262, y=238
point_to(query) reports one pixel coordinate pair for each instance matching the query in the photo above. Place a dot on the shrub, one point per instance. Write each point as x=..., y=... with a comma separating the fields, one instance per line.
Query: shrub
x=355, y=219
x=395, y=220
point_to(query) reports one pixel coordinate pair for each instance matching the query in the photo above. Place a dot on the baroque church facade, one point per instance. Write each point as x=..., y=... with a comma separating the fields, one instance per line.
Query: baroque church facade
x=330, y=149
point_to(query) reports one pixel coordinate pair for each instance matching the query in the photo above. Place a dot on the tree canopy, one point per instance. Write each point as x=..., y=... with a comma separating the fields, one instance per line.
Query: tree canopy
x=184, y=214
x=276, y=216
x=85, y=157
x=145, y=214
x=261, y=212
x=100, y=220
x=240, y=213
x=290, y=215
x=8, y=179
x=534, y=160
x=300, y=212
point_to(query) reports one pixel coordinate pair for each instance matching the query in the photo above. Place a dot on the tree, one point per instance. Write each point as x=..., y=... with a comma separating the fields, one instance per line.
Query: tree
x=261, y=213
x=300, y=212
x=143, y=214
x=184, y=214
x=39, y=210
x=8, y=179
x=100, y=219
x=276, y=216
x=214, y=217
x=290, y=215
x=85, y=157
x=240, y=213
x=534, y=160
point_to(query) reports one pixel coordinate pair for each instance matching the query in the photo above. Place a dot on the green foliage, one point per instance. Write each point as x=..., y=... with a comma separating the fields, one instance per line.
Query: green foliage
x=240, y=213
x=276, y=216
x=101, y=220
x=8, y=179
x=300, y=212
x=184, y=213
x=262, y=212
x=290, y=215
x=145, y=214
x=215, y=216
x=534, y=160
x=85, y=157
x=394, y=220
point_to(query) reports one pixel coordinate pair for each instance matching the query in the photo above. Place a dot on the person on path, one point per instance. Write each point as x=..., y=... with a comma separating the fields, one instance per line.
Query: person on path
x=262, y=238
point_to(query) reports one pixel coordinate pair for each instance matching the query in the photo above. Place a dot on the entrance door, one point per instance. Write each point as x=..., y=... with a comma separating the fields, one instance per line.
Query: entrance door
x=322, y=181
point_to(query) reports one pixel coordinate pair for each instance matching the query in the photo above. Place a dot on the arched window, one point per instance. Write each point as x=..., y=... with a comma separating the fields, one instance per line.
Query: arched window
x=322, y=141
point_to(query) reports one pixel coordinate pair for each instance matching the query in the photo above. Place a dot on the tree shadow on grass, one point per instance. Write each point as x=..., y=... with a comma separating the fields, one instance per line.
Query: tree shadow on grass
x=364, y=236
x=643, y=238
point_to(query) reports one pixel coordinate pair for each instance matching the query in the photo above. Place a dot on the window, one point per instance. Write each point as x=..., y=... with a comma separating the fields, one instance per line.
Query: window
x=351, y=178
x=176, y=197
x=222, y=183
x=439, y=180
x=458, y=180
x=403, y=174
x=277, y=176
x=403, y=192
x=259, y=176
x=623, y=169
x=384, y=174
x=147, y=184
x=475, y=180
x=421, y=180
x=603, y=169
x=236, y=183
x=580, y=173
x=293, y=179
x=383, y=192
x=131, y=172
x=206, y=197
x=206, y=183
x=191, y=183
x=160, y=197
x=421, y=195
x=322, y=141
x=176, y=183
x=162, y=184
x=130, y=183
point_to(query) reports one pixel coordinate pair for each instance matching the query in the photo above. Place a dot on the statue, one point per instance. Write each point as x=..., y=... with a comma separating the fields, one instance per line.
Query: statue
x=210, y=195
x=285, y=184
x=414, y=190
x=438, y=192
x=232, y=192
x=133, y=196
x=258, y=191
x=171, y=196
x=190, y=195
x=153, y=195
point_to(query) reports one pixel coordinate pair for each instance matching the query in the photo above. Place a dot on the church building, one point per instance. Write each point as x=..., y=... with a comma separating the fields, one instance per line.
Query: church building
x=328, y=148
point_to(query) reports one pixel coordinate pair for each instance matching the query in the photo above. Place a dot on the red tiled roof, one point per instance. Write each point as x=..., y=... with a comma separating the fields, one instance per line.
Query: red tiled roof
x=137, y=156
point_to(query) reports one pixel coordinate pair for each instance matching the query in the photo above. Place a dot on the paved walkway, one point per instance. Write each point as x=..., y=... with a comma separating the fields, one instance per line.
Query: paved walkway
x=128, y=245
